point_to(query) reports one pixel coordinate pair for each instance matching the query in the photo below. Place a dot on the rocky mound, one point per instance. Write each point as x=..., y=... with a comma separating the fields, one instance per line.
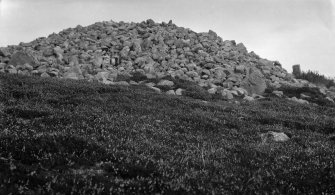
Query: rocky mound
x=105, y=50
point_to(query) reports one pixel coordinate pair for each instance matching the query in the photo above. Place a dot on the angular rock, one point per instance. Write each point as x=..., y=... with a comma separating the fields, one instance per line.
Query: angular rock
x=157, y=90
x=171, y=92
x=133, y=83
x=165, y=83
x=122, y=83
x=254, y=82
x=212, y=90
x=274, y=136
x=21, y=58
x=4, y=52
x=278, y=93
x=45, y=75
x=150, y=84
x=179, y=91
x=249, y=98
x=300, y=101
x=58, y=52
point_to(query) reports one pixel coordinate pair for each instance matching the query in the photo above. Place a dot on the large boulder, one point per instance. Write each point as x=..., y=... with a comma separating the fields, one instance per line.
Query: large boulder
x=254, y=82
x=21, y=58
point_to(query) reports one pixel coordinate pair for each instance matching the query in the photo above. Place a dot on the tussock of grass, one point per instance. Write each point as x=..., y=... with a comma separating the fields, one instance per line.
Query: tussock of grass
x=59, y=136
x=317, y=78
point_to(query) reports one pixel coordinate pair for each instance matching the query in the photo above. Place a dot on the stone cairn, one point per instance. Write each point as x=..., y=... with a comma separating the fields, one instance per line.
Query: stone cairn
x=105, y=50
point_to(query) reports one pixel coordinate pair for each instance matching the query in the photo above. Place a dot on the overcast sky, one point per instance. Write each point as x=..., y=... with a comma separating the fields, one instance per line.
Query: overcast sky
x=291, y=31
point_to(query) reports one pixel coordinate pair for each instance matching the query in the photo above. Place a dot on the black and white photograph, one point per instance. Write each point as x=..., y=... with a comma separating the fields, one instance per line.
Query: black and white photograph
x=167, y=97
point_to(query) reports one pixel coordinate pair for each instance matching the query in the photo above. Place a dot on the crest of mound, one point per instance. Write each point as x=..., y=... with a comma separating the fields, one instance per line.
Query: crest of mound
x=104, y=50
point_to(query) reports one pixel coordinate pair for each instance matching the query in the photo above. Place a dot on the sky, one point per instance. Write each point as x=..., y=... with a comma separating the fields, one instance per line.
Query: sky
x=290, y=31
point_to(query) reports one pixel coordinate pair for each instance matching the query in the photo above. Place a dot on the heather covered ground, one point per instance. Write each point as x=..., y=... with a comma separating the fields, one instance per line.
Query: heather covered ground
x=65, y=136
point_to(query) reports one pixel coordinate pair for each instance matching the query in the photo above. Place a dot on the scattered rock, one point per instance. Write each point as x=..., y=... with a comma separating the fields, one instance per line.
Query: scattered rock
x=156, y=89
x=226, y=94
x=278, y=93
x=212, y=90
x=45, y=75
x=274, y=136
x=303, y=96
x=150, y=84
x=122, y=83
x=133, y=83
x=165, y=83
x=330, y=99
x=249, y=98
x=171, y=92
x=179, y=91
x=300, y=101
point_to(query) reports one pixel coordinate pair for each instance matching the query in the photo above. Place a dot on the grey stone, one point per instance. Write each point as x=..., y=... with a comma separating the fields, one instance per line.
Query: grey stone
x=157, y=90
x=249, y=98
x=165, y=83
x=171, y=92
x=274, y=136
x=212, y=90
x=278, y=93
x=179, y=91
x=254, y=82
x=21, y=58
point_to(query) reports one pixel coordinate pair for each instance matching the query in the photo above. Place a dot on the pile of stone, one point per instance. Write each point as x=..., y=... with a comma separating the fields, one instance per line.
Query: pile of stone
x=105, y=50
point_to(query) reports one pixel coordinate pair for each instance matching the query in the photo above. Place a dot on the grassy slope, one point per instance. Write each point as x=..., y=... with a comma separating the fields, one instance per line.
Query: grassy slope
x=74, y=136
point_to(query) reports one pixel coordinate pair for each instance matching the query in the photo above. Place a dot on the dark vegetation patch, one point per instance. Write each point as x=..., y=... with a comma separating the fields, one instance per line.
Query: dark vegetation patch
x=59, y=136
x=317, y=78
